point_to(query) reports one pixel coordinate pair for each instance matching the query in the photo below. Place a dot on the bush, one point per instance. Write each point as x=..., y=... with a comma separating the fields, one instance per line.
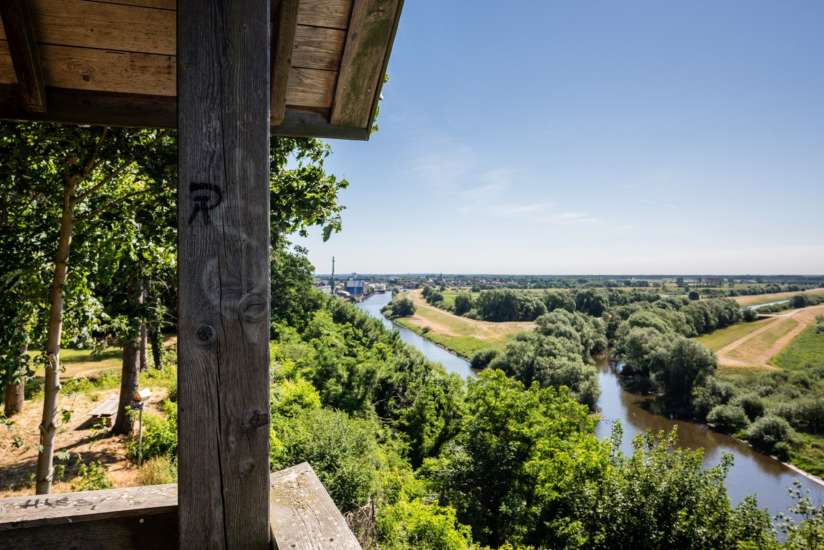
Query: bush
x=158, y=471
x=709, y=395
x=92, y=477
x=482, y=359
x=342, y=450
x=463, y=303
x=752, y=404
x=416, y=524
x=728, y=418
x=767, y=432
x=403, y=307
x=805, y=415
x=159, y=435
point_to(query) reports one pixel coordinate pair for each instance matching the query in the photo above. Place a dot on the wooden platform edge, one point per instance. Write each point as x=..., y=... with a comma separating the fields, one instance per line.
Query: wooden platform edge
x=144, y=111
x=302, y=516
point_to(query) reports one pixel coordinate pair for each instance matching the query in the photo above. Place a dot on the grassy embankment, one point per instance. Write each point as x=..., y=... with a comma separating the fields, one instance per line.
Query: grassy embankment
x=759, y=299
x=780, y=359
x=461, y=335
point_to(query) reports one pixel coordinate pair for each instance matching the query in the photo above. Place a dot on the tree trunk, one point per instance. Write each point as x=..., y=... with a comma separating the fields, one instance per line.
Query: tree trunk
x=144, y=335
x=13, y=398
x=128, y=386
x=156, y=339
x=51, y=385
x=143, y=354
x=14, y=394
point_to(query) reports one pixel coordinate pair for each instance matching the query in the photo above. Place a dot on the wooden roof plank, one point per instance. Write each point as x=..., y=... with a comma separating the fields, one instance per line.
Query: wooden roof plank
x=6, y=65
x=325, y=13
x=318, y=48
x=24, y=51
x=310, y=88
x=109, y=70
x=371, y=30
x=284, y=28
x=109, y=26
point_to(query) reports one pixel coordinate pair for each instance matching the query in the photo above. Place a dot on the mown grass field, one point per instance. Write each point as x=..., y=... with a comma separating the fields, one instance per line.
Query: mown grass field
x=804, y=351
x=460, y=335
x=722, y=337
x=757, y=349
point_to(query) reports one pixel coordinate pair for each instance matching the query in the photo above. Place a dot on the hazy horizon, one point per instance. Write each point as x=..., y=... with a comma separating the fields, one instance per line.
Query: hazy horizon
x=567, y=138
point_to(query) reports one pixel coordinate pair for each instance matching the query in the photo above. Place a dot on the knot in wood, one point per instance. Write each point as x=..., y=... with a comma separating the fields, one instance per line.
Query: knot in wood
x=258, y=419
x=206, y=334
x=253, y=307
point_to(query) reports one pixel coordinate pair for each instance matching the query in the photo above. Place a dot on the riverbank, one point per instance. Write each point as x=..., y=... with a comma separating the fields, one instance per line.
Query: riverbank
x=460, y=335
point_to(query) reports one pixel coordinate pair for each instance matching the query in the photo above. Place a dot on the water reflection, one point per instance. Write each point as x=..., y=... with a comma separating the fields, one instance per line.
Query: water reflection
x=752, y=472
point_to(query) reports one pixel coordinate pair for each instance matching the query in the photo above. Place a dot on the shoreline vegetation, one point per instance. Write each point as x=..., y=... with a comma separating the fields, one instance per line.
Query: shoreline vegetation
x=742, y=393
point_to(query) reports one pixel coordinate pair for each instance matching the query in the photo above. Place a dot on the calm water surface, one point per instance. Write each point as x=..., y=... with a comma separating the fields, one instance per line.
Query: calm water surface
x=752, y=472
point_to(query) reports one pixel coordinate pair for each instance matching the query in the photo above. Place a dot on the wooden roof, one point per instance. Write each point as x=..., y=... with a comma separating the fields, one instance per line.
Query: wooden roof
x=113, y=62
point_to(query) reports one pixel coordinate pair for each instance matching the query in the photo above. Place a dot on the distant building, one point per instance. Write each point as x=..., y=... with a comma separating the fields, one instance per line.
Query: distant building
x=355, y=287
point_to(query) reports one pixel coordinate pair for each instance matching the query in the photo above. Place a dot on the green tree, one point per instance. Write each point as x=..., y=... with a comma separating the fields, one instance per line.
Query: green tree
x=463, y=303
x=687, y=365
x=518, y=470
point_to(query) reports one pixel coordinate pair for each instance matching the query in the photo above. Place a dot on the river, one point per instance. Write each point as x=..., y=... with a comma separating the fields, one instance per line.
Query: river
x=752, y=473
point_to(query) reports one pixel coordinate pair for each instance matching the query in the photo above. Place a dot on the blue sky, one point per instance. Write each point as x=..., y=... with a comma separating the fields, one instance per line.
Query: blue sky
x=620, y=136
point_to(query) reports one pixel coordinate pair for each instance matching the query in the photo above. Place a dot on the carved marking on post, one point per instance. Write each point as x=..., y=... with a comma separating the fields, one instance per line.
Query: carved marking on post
x=205, y=197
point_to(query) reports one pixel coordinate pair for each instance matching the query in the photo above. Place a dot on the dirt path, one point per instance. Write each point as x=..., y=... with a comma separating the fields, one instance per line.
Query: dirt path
x=731, y=354
x=79, y=440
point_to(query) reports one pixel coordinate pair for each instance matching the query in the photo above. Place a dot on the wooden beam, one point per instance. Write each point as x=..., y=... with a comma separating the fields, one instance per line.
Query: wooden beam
x=371, y=30
x=302, y=517
x=19, y=28
x=136, y=517
x=223, y=273
x=284, y=28
x=303, y=514
x=143, y=111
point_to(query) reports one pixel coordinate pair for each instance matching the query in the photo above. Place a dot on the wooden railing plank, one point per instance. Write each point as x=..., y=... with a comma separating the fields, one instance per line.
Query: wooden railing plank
x=303, y=516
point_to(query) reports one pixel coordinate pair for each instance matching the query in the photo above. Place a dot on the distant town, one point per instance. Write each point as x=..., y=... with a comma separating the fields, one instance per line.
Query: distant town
x=357, y=286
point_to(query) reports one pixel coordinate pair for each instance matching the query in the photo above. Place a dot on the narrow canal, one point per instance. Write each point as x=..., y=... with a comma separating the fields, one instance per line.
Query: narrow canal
x=752, y=473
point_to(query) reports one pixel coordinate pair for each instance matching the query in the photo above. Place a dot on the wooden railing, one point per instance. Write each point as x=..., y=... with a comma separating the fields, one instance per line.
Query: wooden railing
x=302, y=517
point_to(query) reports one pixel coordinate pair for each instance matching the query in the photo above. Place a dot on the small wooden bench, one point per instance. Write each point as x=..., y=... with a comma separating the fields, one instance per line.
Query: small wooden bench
x=106, y=410
x=302, y=516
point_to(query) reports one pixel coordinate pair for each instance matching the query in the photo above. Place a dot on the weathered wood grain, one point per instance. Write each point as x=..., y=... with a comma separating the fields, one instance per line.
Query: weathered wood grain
x=223, y=273
x=109, y=70
x=325, y=13
x=143, y=111
x=24, y=50
x=303, y=515
x=310, y=87
x=284, y=28
x=104, y=25
x=59, y=509
x=159, y=4
x=371, y=30
x=6, y=65
x=318, y=48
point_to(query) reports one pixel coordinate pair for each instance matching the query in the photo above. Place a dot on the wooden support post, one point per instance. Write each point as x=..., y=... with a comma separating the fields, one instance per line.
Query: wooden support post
x=31, y=85
x=223, y=272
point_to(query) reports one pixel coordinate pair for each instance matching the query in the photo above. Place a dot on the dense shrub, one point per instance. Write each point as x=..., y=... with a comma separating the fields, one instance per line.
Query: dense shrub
x=805, y=415
x=712, y=393
x=401, y=307
x=418, y=524
x=752, y=404
x=463, y=303
x=770, y=434
x=343, y=451
x=728, y=418
x=482, y=359
x=159, y=435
